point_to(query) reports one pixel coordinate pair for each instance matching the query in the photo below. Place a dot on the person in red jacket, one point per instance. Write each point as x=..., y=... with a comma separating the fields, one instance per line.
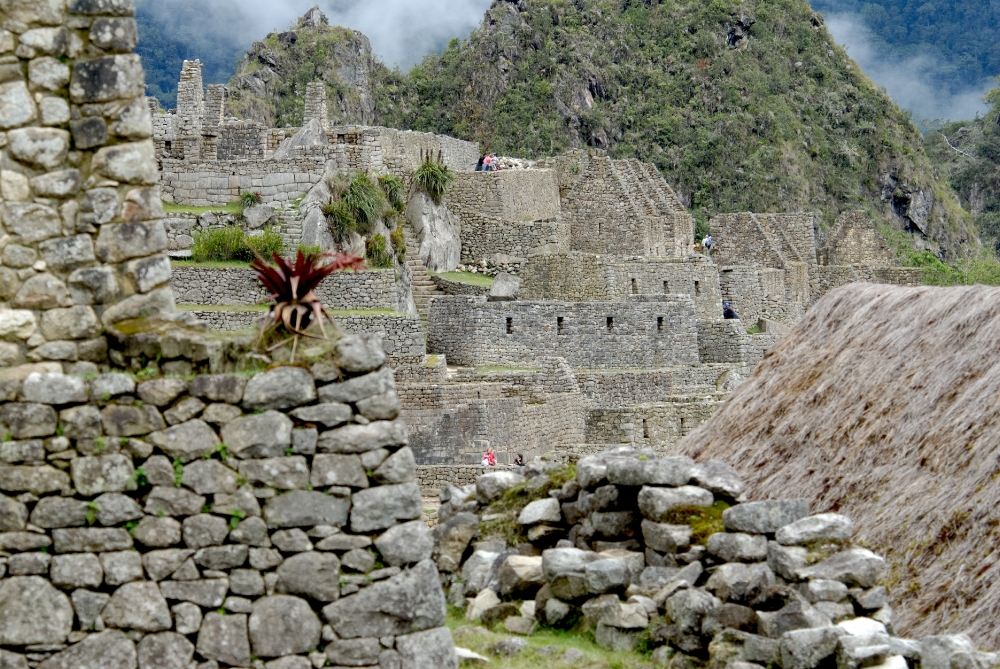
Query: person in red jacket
x=489, y=458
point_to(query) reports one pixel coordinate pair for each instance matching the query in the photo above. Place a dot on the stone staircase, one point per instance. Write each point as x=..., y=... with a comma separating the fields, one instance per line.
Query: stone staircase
x=423, y=286
x=290, y=227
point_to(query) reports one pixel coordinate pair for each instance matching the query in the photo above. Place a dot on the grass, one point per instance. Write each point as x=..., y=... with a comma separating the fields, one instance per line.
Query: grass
x=488, y=369
x=514, y=500
x=182, y=262
x=434, y=177
x=704, y=521
x=231, y=208
x=264, y=307
x=481, y=640
x=232, y=243
x=465, y=277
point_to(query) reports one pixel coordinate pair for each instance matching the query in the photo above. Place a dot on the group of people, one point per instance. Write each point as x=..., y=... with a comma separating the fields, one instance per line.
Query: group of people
x=490, y=458
x=488, y=162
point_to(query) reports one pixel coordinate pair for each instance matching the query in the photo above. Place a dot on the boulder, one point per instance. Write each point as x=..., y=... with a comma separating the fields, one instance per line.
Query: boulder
x=793, y=616
x=110, y=649
x=719, y=477
x=688, y=608
x=604, y=575
x=105, y=473
x=541, y=511
x=382, y=507
x=363, y=438
x=412, y=601
x=625, y=616
x=808, y=648
x=483, y=602
x=491, y=486
x=477, y=570
x=666, y=538
x=313, y=574
x=33, y=612
x=166, y=650
x=438, y=233
x=824, y=526
x=764, y=517
x=302, y=508
x=520, y=576
x=353, y=652
x=138, y=606
x=360, y=353
x=406, y=543
x=430, y=649
x=856, y=566
x=209, y=592
x=265, y=435
x=452, y=538
x=505, y=288
x=280, y=388
x=740, y=583
x=737, y=547
x=207, y=477
x=283, y=625
x=656, y=503
x=258, y=216
x=224, y=638
x=187, y=441
x=556, y=561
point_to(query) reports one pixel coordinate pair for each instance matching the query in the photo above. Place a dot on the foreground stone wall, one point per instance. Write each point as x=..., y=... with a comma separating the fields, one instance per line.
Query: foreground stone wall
x=472, y=331
x=82, y=230
x=219, y=519
x=238, y=286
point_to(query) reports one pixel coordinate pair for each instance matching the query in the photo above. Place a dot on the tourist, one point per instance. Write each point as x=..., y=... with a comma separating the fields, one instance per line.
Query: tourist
x=487, y=163
x=489, y=458
x=495, y=163
x=479, y=165
x=519, y=460
x=707, y=244
x=729, y=313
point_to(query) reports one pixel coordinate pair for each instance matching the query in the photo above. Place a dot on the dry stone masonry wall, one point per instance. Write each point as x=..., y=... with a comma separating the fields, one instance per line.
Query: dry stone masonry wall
x=82, y=231
x=670, y=554
x=270, y=521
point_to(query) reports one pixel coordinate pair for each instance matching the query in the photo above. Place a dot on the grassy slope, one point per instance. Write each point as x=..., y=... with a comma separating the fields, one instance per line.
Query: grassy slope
x=782, y=122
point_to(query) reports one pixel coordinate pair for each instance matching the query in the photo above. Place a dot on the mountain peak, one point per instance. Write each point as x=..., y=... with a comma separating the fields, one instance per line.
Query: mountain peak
x=314, y=18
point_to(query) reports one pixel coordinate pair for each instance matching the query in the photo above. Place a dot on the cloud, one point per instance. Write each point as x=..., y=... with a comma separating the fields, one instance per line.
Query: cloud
x=913, y=83
x=402, y=32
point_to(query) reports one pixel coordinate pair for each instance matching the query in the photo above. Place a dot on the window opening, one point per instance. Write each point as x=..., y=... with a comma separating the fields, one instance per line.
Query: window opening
x=659, y=323
x=510, y=325
x=635, y=287
x=560, y=325
x=611, y=323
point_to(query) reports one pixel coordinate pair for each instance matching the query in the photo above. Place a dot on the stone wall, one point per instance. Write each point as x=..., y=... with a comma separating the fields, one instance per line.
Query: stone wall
x=367, y=291
x=657, y=425
x=486, y=237
x=472, y=331
x=511, y=195
x=834, y=276
x=434, y=478
x=623, y=387
x=764, y=240
x=403, y=336
x=855, y=241
x=217, y=520
x=82, y=231
x=449, y=287
x=209, y=184
x=241, y=140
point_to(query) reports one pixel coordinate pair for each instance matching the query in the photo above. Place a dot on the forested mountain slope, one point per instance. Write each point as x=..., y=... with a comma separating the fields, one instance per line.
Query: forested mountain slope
x=743, y=105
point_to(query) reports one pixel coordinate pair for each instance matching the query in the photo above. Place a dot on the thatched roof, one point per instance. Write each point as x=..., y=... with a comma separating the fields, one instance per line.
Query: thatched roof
x=884, y=404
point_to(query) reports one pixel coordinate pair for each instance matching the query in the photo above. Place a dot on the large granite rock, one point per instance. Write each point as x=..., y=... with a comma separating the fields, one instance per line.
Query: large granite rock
x=283, y=625
x=33, y=612
x=110, y=649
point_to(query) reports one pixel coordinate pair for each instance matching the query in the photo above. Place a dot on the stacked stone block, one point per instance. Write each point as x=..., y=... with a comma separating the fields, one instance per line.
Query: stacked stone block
x=81, y=230
x=215, y=521
x=316, y=104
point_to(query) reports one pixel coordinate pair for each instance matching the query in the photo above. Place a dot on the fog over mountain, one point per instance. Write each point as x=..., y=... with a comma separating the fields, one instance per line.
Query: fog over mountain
x=914, y=82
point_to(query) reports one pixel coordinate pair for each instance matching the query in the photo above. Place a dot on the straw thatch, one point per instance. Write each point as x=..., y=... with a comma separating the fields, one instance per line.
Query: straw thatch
x=884, y=404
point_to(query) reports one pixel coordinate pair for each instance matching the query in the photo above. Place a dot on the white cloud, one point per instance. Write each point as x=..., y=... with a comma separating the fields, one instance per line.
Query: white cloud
x=402, y=32
x=910, y=82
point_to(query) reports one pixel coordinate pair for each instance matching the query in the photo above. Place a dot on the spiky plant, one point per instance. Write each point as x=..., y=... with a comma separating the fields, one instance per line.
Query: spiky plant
x=399, y=243
x=295, y=306
x=434, y=177
x=394, y=191
x=250, y=199
x=340, y=220
x=366, y=202
x=377, y=251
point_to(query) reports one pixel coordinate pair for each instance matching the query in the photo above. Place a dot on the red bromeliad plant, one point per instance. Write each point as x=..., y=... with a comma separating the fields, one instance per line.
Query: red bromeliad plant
x=291, y=289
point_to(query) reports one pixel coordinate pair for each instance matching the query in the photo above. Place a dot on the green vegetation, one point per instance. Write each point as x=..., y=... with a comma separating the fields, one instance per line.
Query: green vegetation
x=466, y=277
x=545, y=647
x=434, y=177
x=250, y=199
x=395, y=191
x=366, y=202
x=339, y=220
x=231, y=208
x=399, y=243
x=509, y=505
x=377, y=252
x=704, y=521
x=490, y=368
x=232, y=243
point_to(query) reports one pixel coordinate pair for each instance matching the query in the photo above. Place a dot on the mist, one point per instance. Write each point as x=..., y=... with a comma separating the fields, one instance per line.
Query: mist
x=402, y=32
x=909, y=81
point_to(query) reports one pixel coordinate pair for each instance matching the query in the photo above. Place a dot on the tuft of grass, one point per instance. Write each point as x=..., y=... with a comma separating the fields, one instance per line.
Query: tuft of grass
x=394, y=191
x=232, y=243
x=704, y=521
x=340, y=220
x=250, y=199
x=377, y=252
x=231, y=208
x=178, y=472
x=435, y=178
x=398, y=240
x=366, y=202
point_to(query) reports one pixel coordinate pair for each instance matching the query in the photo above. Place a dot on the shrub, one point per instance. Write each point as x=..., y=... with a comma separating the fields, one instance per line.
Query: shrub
x=366, y=202
x=309, y=250
x=378, y=253
x=394, y=191
x=250, y=199
x=340, y=220
x=434, y=177
x=232, y=244
x=399, y=243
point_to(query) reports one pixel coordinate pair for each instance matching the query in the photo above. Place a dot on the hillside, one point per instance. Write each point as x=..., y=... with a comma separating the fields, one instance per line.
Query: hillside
x=957, y=42
x=967, y=155
x=878, y=405
x=270, y=80
x=743, y=105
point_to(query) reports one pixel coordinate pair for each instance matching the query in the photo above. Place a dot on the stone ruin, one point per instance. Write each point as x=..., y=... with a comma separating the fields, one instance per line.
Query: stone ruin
x=669, y=553
x=164, y=501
